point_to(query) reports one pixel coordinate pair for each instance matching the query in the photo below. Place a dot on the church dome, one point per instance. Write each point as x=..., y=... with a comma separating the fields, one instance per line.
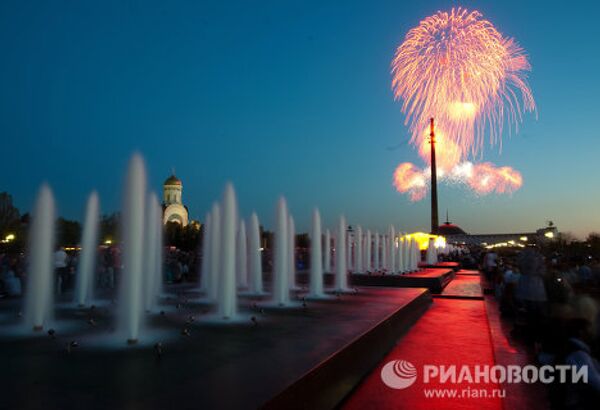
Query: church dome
x=172, y=180
x=449, y=229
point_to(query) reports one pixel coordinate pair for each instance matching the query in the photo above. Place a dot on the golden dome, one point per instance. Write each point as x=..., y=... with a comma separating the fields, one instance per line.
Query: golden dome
x=172, y=180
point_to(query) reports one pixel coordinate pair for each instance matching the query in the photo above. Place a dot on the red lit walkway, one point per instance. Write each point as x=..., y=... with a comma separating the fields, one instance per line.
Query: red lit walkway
x=462, y=327
x=463, y=286
x=451, y=332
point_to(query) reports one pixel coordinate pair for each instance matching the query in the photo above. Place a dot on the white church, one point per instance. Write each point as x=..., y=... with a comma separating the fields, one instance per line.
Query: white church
x=173, y=208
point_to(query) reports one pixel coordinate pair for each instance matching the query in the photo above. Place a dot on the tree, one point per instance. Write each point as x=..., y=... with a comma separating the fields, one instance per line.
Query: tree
x=69, y=232
x=593, y=242
x=109, y=227
x=173, y=233
x=9, y=215
x=186, y=238
x=302, y=241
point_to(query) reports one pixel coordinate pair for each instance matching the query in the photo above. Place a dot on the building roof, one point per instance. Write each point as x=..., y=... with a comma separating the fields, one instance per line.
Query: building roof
x=173, y=180
x=448, y=229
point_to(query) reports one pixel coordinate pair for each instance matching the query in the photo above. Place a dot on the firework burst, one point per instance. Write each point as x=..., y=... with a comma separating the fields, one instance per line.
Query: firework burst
x=457, y=67
x=483, y=179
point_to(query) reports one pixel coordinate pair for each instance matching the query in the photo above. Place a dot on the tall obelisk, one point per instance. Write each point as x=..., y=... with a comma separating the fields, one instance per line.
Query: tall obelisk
x=434, y=198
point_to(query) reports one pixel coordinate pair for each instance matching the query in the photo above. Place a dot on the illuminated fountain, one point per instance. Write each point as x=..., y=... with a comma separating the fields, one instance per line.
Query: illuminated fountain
x=152, y=253
x=291, y=253
x=415, y=255
x=384, y=252
x=39, y=298
x=130, y=299
x=227, y=297
x=327, y=255
x=395, y=250
x=89, y=248
x=281, y=292
x=316, y=266
x=215, y=252
x=431, y=256
x=376, y=266
x=206, y=238
x=358, y=265
x=159, y=256
x=397, y=253
x=368, y=245
x=392, y=248
x=341, y=273
x=256, y=280
x=242, y=256
x=401, y=254
x=408, y=254
x=349, y=254
x=402, y=262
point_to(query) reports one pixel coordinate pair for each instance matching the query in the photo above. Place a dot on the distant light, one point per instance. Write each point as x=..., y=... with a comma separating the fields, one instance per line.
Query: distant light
x=10, y=237
x=549, y=235
x=261, y=249
x=422, y=239
x=523, y=238
x=108, y=242
x=440, y=242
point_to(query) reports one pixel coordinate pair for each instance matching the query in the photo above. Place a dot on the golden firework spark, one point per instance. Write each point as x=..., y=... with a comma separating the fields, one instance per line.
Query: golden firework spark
x=455, y=66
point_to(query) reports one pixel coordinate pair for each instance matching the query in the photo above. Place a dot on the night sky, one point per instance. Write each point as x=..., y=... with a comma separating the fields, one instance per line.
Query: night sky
x=280, y=97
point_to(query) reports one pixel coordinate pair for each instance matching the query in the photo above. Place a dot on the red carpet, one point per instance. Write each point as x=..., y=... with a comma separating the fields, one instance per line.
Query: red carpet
x=427, y=273
x=468, y=272
x=463, y=286
x=451, y=332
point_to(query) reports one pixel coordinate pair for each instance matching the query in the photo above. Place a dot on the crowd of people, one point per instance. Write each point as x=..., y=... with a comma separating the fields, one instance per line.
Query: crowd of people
x=553, y=306
x=12, y=272
x=179, y=266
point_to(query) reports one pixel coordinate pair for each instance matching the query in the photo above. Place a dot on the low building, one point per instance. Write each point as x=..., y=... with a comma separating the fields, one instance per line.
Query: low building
x=456, y=235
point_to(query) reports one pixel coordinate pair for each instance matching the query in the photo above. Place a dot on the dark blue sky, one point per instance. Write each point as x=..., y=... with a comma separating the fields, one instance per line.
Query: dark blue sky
x=281, y=97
